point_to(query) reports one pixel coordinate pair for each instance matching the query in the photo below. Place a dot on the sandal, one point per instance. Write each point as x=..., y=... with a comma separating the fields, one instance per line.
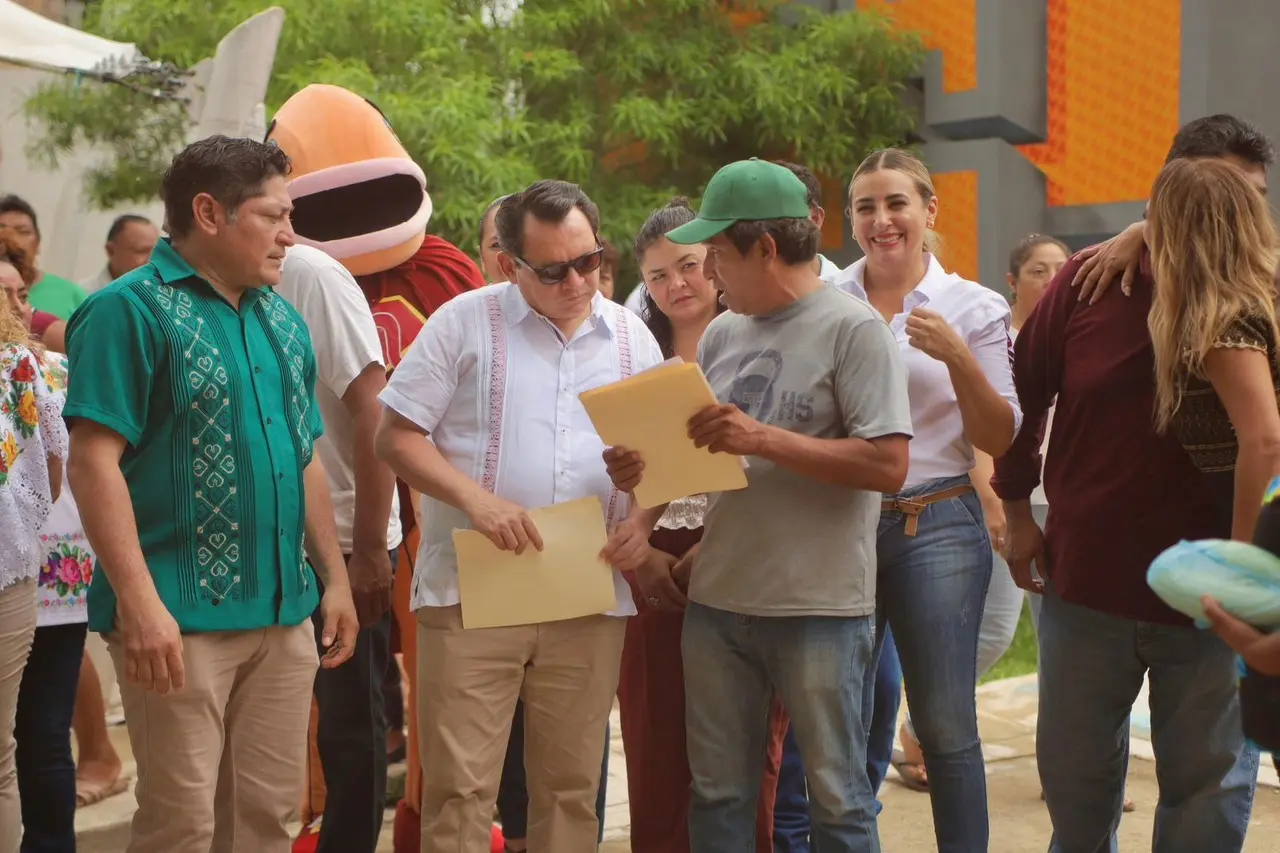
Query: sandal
x=910, y=767
x=913, y=774
x=88, y=793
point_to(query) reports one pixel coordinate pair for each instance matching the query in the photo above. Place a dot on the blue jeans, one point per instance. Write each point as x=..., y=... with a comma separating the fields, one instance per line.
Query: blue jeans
x=513, y=788
x=1091, y=670
x=791, y=822
x=884, y=717
x=42, y=729
x=791, y=807
x=733, y=666
x=932, y=589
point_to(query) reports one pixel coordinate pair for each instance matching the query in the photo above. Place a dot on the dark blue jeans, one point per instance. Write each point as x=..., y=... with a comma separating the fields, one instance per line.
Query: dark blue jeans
x=352, y=739
x=42, y=729
x=884, y=719
x=513, y=790
x=791, y=822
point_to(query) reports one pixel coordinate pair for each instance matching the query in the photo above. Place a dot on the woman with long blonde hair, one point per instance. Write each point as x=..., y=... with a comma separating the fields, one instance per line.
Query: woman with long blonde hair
x=1213, y=328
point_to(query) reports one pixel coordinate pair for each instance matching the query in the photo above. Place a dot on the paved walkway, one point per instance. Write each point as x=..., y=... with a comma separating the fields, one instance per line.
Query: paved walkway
x=1007, y=717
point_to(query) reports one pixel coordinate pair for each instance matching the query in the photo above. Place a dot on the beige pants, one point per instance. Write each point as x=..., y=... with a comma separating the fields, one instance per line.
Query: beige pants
x=17, y=627
x=468, y=683
x=220, y=764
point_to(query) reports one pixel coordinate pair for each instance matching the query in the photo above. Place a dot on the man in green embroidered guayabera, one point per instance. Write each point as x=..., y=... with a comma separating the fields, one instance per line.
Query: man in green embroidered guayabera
x=191, y=460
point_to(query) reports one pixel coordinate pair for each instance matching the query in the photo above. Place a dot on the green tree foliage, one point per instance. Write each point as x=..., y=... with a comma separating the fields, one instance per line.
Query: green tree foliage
x=637, y=100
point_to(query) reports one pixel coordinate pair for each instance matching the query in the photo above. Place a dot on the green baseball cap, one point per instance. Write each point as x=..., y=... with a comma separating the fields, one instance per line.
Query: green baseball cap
x=745, y=191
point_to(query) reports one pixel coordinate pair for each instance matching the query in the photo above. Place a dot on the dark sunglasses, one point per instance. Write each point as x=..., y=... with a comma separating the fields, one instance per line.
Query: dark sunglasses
x=556, y=273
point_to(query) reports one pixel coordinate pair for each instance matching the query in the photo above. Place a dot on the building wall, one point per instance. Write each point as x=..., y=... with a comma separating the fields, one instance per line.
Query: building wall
x=1054, y=116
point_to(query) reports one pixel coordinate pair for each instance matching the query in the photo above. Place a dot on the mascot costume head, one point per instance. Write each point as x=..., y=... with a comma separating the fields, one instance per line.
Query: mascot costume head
x=359, y=198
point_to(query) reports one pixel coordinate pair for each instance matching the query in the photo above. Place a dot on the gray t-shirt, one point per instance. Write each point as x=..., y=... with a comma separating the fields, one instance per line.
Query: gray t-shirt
x=825, y=366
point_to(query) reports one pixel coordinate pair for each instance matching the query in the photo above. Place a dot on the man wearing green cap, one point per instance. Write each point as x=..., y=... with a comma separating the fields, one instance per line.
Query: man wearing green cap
x=782, y=591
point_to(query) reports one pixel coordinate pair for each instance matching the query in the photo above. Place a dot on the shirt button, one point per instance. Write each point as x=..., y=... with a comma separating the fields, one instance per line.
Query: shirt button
x=280, y=476
x=217, y=601
x=257, y=369
x=268, y=421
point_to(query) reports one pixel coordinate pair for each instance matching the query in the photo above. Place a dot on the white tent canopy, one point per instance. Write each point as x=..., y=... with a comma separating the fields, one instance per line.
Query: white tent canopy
x=28, y=38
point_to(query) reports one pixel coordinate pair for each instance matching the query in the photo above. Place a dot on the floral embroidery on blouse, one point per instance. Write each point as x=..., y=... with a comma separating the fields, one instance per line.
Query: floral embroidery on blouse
x=31, y=429
x=63, y=583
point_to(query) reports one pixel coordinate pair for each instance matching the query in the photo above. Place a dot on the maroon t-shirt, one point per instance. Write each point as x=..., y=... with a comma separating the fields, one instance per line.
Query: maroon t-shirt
x=1118, y=493
x=41, y=321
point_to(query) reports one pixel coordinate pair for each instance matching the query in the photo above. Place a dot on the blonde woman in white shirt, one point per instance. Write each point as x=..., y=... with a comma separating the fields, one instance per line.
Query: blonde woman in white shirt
x=933, y=550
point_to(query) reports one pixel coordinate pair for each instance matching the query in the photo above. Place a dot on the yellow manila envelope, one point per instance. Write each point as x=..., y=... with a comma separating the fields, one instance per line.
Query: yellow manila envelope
x=565, y=580
x=650, y=413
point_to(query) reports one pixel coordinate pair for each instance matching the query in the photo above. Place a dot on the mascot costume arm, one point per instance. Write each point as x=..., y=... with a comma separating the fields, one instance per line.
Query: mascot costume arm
x=359, y=197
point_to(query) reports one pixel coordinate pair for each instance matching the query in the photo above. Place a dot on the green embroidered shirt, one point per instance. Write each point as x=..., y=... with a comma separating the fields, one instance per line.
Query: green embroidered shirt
x=218, y=408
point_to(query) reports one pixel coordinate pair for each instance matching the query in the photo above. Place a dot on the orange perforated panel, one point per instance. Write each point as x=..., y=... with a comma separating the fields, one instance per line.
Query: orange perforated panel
x=957, y=222
x=833, y=202
x=950, y=26
x=1113, y=108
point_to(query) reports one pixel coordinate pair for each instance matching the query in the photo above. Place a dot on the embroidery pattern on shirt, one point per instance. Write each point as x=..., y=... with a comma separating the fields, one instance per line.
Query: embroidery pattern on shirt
x=19, y=409
x=31, y=428
x=624, y=368
x=288, y=339
x=497, y=390
x=203, y=378
x=66, y=571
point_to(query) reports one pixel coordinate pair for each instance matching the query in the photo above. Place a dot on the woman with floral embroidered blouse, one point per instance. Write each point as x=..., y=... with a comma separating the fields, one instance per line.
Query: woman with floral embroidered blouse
x=33, y=443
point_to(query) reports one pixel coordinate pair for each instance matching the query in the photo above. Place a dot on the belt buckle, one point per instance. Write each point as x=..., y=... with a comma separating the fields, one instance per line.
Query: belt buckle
x=911, y=510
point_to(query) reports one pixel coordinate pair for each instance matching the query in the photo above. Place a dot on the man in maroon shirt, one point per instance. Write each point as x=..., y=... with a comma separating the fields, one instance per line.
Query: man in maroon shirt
x=1119, y=494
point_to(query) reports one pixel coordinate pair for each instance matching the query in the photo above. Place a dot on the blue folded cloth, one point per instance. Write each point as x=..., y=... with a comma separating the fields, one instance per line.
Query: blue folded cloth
x=1243, y=578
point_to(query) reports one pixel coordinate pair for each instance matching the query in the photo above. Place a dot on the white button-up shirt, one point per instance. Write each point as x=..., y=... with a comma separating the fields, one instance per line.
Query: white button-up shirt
x=496, y=386
x=981, y=317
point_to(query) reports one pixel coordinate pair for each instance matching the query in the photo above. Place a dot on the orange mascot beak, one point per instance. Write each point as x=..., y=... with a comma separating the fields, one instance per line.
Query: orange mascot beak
x=357, y=196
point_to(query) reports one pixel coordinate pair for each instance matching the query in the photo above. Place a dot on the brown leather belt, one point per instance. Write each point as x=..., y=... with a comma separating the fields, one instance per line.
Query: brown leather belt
x=912, y=507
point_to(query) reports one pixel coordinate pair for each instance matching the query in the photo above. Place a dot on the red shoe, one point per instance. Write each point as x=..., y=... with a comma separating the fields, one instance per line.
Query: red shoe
x=497, y=844
x=407, y=830
x=309, y=838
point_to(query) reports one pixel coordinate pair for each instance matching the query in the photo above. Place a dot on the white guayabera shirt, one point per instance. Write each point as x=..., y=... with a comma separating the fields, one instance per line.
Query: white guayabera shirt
x=496, y=385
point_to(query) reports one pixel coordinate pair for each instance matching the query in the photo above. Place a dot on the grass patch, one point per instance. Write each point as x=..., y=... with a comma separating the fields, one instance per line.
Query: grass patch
x=1022, y=657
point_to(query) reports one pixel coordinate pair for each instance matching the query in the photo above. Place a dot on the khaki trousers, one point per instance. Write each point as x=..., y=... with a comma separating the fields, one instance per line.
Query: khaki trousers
x=220, y=764
x=468, y=683
x=17, y=628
